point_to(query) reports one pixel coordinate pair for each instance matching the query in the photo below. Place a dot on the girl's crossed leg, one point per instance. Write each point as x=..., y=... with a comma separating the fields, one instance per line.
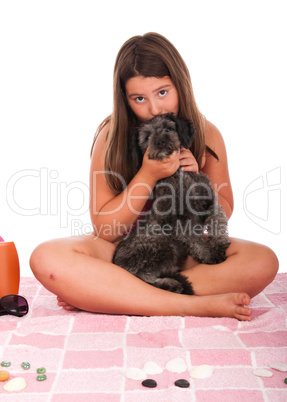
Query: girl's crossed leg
x=79, y=271
x=249, y=268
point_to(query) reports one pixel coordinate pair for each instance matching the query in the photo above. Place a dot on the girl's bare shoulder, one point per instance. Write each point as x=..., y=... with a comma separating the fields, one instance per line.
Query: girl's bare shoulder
x=216, y=169
x=101, y=139
x=101, y=193
x=213, y=138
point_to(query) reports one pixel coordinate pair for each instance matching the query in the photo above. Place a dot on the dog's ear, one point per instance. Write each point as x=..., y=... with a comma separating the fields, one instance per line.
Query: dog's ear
x=185, y=130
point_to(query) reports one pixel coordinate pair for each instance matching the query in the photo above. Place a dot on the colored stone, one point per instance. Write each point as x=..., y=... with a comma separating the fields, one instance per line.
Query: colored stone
x=41, y=370
x=41, y=377
x=5, y=364
x=285, y=380
x=182, y=383
x=25, y=365
x=4, y=375
x=149, y=383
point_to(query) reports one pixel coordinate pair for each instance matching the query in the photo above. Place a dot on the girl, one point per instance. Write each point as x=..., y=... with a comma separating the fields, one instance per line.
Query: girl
x=150, y=78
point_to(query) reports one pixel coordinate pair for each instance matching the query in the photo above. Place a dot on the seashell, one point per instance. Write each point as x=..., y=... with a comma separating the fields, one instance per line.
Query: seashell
x=152, y=368
x=135, y=374
x=177, y=365
x=279, y=366
x=17, y=384
x=262, y=373
x=203, y=371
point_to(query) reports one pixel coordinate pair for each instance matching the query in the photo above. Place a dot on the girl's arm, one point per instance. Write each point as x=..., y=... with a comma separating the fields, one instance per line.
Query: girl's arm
x=113, y=214
x=218, y=170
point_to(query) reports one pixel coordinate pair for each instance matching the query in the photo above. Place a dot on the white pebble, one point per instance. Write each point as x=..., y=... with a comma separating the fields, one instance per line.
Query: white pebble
x=152, y=368
x=262, y=373
x=203, y=371
x=17, y=384
x=135, y=374
x=279, y=366
x=177, y=365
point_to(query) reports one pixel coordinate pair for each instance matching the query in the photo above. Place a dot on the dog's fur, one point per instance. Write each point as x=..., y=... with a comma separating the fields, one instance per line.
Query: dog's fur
x=185, y=218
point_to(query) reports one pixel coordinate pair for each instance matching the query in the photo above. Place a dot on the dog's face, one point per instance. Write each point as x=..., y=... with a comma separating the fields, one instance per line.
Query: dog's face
x=163, y=135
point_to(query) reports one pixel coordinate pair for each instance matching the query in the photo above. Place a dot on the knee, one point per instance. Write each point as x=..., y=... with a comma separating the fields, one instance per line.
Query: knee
x=267, y=264
x=42, y=259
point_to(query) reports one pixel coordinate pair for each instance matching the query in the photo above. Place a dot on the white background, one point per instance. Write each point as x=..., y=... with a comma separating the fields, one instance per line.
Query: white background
x=56, y=69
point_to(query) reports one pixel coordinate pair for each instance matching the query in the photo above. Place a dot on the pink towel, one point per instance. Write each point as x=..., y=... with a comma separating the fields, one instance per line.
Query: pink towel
x=86, y=355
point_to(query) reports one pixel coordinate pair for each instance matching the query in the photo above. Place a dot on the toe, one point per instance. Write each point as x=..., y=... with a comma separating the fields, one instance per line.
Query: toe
x=243, y=313
x=243, y=299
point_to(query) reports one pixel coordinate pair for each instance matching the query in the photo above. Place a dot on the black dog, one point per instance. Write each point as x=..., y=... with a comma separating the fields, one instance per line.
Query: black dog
x=185, y=218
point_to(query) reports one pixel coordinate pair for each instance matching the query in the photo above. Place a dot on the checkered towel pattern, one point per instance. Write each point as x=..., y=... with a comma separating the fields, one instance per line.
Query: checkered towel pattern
x=86, y=355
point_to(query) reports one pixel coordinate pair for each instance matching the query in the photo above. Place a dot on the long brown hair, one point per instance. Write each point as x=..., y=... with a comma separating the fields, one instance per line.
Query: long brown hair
x=150, y=55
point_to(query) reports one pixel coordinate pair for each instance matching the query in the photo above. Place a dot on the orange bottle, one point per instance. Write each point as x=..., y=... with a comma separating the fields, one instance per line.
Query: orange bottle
x=9, y=269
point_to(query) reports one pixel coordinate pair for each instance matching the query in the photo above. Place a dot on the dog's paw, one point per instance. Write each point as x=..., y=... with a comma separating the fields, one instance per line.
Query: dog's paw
x=172, y=285
x=179, y=284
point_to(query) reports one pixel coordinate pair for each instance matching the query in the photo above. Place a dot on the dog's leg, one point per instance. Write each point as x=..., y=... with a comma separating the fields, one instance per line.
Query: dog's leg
x=204, y=224
x=176, y=283
x=164, y=208
x=154, y=260
x=210, y=247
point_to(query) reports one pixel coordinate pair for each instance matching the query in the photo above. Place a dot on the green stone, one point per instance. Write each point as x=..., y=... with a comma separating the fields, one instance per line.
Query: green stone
x=41, y=370
x=41, y=377
x=5, y=364
x=25, y=365
x=285, y=380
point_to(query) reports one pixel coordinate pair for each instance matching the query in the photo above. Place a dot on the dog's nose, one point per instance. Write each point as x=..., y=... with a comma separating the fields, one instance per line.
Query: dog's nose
x=161, y=143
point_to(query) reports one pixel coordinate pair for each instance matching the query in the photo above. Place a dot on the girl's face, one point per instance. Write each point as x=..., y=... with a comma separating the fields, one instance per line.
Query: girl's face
x=151, y=96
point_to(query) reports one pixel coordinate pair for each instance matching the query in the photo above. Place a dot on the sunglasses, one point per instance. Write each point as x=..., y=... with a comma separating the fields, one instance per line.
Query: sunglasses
x=14, y=305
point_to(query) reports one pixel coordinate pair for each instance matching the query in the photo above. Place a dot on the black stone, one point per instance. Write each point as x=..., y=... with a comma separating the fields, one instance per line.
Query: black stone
x=149, y=383
x=182, y=383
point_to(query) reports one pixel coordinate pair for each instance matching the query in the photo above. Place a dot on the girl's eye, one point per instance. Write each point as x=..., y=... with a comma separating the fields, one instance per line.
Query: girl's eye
x=162, y=93
x=140, y=99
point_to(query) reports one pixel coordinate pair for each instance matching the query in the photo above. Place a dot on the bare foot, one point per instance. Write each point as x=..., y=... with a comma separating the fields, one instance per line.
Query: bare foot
x=231, y=305
x=66, y=306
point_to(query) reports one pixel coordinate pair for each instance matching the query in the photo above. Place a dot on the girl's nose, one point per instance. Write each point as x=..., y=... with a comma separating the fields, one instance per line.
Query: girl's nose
x=155, y=108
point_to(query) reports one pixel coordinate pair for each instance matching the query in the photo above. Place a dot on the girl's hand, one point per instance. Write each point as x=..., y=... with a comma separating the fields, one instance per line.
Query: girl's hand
x=187, y=161
x=160, y=169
